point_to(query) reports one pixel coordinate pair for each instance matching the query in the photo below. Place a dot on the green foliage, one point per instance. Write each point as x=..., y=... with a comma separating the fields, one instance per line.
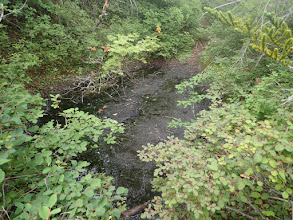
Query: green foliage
x=121, y=50
x=275, y=41
x=128, y=47
x=223, y=43
x=177, y=34
x=236, y=158
x=50, y=39
x=267, y=96
x=228, y=158
x=39, y=175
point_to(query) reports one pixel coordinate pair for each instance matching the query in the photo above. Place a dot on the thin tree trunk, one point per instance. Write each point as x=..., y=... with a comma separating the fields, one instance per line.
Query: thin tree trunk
x=101, y=16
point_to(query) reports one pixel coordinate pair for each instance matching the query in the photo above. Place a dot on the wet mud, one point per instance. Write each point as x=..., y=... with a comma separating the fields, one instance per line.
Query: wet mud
x=145, y=105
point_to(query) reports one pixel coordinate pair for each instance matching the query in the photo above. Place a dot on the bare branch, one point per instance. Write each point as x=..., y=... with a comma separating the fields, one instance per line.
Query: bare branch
x=220, y=6
x=256, y=209
x=289, y=99
x=283, y=200
x=92, y=62
x=17, y=10
x=3, y=209
x=2, y=12
x=239, y=212
x=133, y=2
x=101, y=16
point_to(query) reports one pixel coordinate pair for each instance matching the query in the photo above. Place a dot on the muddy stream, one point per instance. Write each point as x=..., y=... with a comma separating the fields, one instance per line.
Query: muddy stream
x=145, y=105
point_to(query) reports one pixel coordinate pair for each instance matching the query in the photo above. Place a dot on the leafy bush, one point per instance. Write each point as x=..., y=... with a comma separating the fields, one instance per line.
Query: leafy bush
x=236, y=158
x=39, y=174
x=229, y=161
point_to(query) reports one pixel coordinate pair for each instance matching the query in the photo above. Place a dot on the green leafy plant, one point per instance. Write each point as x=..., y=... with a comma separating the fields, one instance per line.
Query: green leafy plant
x=129, y=47
x=236, y=158
x=274, y=41
x=39, y=175
x=228, y=161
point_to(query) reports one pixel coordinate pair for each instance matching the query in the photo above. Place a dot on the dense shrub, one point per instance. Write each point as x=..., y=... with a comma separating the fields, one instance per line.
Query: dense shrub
x=39, y=174
x=236, y=158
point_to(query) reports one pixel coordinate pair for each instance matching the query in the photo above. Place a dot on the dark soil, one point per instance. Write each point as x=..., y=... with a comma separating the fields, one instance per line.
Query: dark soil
x=145, y=104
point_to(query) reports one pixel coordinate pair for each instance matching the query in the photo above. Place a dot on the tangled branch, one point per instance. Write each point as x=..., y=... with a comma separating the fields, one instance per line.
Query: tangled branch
x=101, y=16
x=3, y=16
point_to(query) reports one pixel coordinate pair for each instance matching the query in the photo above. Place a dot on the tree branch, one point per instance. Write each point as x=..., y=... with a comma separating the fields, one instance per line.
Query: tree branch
x=256, y=210
x=220, y=6
x=239, y=212
x=283, y=200
x=289, y=99
x=133, y=2
x=17, y=10
x=2, y=12
x=101, y=16
x=92, y=62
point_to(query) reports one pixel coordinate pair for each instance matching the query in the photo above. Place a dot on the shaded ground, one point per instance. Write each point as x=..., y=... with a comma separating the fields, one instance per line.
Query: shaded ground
x=146, y=105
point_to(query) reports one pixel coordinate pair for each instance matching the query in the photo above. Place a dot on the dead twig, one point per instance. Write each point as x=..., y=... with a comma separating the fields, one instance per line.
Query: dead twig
x=239, y=212
x=2, y=12
x=220, y=6
x=3, y=16
x=101, y=16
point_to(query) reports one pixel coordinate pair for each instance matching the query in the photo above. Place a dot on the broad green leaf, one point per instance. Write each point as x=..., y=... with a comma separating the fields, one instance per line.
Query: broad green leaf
x=116, y=213
x=243, y=199
x=273, y=163
x=46, y=170
x=96, y=183
x=102, y=202
x=216, y=175
x=2, y=161
x=55, y=211
x=285, y=195
x=214, y=166
x=274, y=172
x=121, y=190
x=79, y=203
x=258, y=158
x=44, y=212
x=89, y=192
x=268, y=213
x=289, y=148
x=52, y=200
x=2, y=175
x=258, y=201
x=279, y=186
x=264, y=196
x=33, y=128
x=282, y=175
x=241, y=185
x=249, y=171
x=259, y=183
x=289, y=190
x=100, y=211
x=279, y=147
x=255, y=194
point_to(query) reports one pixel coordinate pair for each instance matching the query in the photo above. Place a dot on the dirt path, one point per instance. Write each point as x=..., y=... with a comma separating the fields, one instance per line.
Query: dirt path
x=146, y=106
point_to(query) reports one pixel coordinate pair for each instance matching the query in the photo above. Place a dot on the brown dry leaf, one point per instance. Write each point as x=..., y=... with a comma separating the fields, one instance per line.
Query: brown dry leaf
x=159, y=29
x=106, y=49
